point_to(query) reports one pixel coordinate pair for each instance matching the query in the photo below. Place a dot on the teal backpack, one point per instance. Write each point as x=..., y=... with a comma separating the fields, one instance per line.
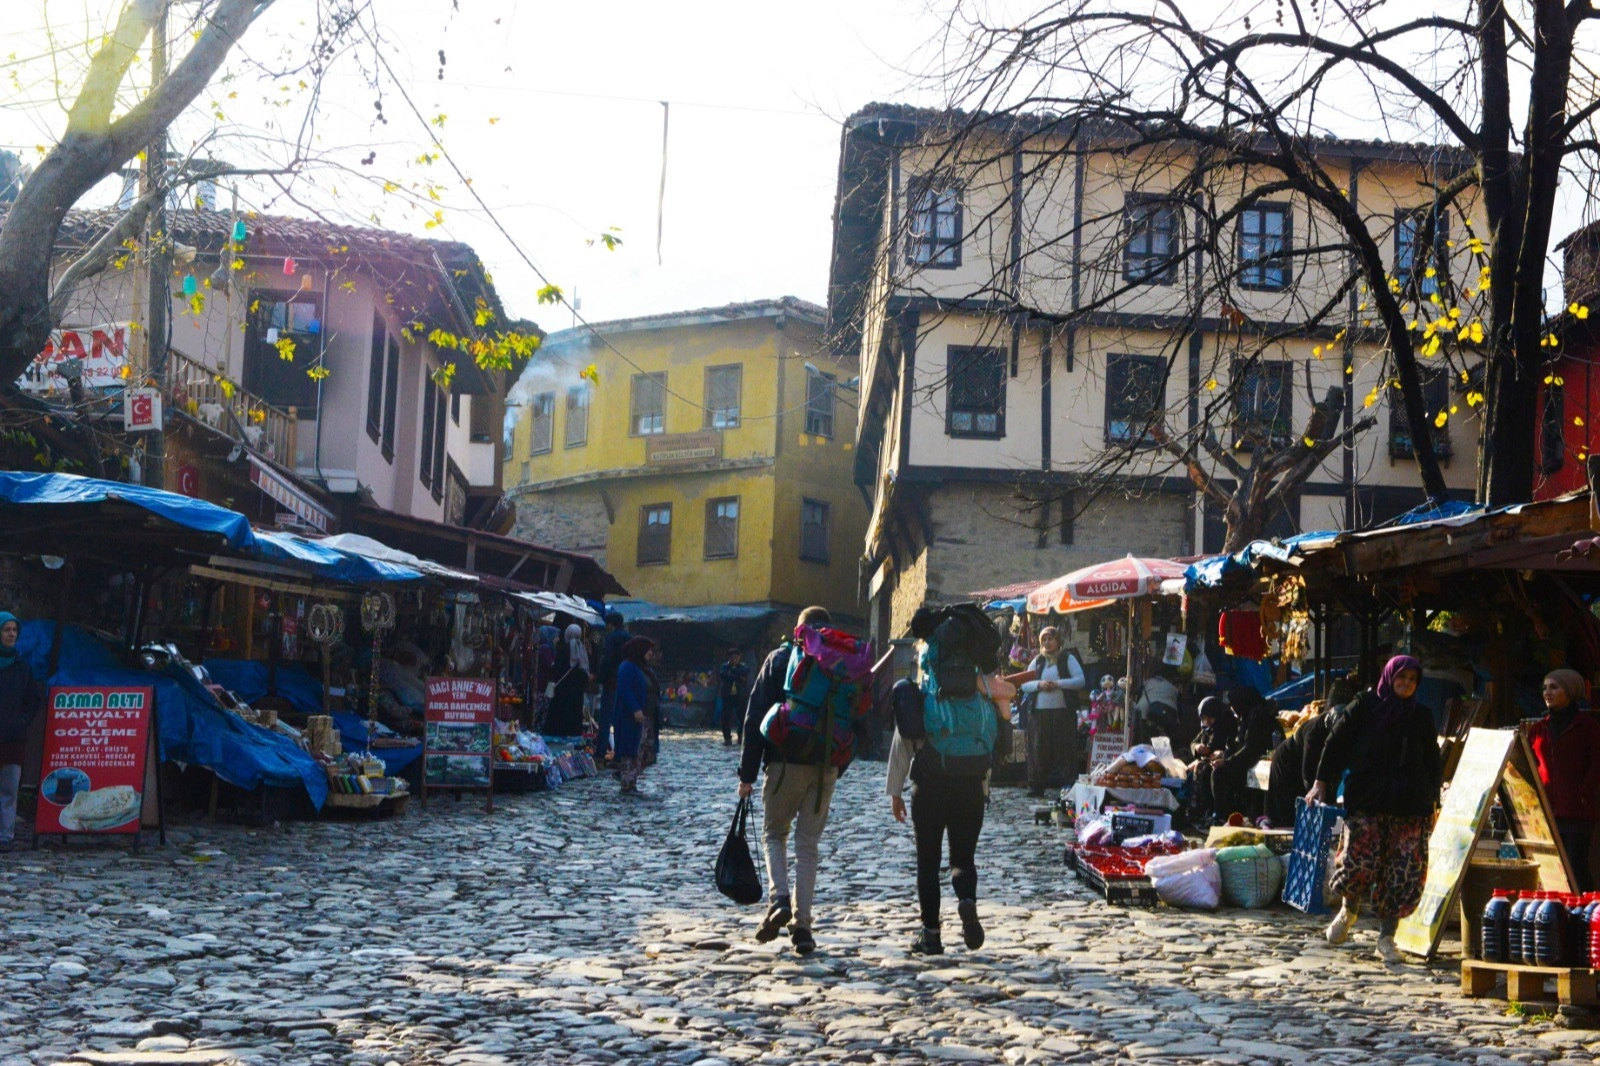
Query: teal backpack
x=961, y=729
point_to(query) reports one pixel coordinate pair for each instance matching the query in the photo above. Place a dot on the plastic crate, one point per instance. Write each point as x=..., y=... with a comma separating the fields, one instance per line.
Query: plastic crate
x=1308, y=861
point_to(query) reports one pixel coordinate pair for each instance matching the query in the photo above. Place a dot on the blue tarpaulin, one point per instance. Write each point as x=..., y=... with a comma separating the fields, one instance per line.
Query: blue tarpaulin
x=193, y=727
x=1215, y=570
x=248, y=680
x=330, y=563
x=283, y=548
x=33, y=489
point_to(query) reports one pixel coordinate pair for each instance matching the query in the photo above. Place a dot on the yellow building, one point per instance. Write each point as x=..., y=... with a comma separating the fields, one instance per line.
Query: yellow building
x=709, y=464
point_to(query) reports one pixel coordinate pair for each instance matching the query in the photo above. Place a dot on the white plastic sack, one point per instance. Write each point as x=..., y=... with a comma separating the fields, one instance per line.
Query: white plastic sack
x=1183, y=862
x=1200, y=888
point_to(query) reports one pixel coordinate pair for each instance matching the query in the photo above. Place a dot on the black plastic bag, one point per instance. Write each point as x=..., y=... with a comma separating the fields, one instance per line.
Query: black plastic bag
x=736, y=869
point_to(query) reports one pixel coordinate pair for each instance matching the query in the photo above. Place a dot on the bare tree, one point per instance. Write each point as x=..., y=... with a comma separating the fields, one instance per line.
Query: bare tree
x=1269, y=100
x=116, y=114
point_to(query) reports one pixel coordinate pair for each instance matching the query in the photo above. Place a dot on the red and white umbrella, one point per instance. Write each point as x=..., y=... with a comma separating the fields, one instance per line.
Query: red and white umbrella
x=1100, y=584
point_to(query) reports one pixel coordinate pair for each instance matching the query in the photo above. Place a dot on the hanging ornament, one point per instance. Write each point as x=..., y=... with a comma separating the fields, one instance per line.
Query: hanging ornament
x=190, y=285
x=239, y=231
x=288, y=264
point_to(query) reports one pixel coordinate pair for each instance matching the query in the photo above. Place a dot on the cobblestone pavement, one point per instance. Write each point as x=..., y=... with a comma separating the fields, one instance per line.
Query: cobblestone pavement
x=576, y=927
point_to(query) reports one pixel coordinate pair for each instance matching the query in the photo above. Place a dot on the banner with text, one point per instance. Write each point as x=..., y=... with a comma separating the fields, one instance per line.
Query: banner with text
x=103, y=350
x=92, y=777
x=458, y=732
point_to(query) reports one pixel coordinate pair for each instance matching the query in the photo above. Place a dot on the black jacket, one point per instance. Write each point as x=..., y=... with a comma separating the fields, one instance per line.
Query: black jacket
x=1394, y=769
x=1217, y=736
x=1252, y=741
x=20, y=699
x=764, y=692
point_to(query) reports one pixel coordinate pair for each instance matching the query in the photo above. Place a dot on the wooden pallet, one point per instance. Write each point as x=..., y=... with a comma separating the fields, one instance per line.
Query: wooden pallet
x=1575, y=986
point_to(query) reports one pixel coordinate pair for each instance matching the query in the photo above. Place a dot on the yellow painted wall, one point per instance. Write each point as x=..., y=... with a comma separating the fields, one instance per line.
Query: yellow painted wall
x=768, y=460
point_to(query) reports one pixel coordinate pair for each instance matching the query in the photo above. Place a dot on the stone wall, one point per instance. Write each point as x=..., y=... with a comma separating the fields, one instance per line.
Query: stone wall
x=976, y=546
x=570, y=519
x=910, y=591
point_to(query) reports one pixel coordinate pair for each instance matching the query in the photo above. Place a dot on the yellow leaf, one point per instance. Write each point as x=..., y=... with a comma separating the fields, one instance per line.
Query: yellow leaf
x=1431, y=349
x=1310, y=443
x=1477, y=332
x=1317, y=351
x=1476, y=244
x=1430, y=273
x=1583, y=312
x=1549, y=378
x=1455, y=312
x=1441, y=419
x=1372, y=398
x=1577, y=420
x=1560, y=382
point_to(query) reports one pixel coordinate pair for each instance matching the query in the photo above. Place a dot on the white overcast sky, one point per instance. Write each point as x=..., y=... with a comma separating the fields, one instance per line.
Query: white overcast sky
x=756, y=90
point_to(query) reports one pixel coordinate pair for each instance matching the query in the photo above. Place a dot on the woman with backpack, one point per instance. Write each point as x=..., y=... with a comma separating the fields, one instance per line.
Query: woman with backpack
x=1052, y=714
x=1386, y=742
x=946, y=733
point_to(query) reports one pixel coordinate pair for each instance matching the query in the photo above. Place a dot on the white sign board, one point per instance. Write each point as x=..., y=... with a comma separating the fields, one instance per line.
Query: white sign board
x=141, y=410
x=103, y=351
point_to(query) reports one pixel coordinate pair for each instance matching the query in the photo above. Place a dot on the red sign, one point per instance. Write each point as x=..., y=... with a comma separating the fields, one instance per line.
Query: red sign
x=95, y=746
x=458, y=732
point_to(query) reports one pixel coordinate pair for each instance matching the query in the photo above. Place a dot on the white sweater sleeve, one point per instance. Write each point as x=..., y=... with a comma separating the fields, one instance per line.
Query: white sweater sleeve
x=900, y=752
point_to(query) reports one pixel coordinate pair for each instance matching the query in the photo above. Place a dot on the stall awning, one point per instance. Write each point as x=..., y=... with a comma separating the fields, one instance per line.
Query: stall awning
x=328, y=560
x=378, y=552
x=64, y=490
x=560, y=601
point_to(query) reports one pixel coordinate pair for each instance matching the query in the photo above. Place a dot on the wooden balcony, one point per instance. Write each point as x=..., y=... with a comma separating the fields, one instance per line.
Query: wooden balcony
x=199, y=391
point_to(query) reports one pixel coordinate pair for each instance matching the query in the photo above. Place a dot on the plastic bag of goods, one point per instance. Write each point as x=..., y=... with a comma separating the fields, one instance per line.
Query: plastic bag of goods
x=1251, y=876
x=1096, y=832
x=1200, y=888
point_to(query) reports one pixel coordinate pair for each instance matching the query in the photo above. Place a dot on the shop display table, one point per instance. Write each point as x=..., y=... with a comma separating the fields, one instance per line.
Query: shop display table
x=1575, y=986
x=1087, y=797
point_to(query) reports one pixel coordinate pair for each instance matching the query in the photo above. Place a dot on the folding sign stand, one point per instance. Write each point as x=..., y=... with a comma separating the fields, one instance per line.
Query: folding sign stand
x=458, y=737
x=100, y=774
x=1494, y=762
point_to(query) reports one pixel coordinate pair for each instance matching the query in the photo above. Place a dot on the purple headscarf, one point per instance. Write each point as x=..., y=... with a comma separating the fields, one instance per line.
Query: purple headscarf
x=1390, y=705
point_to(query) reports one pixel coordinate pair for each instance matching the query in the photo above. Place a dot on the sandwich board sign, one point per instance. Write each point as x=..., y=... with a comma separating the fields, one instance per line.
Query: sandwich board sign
x=94, y=776
x=458, y=735
x=1493, y=762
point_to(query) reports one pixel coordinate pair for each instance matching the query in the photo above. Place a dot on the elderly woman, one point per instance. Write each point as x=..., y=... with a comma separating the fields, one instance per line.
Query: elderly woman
x=1566, y=746
x=634, y=721
x=1386, y=741
x=1052, y=714
x=19, y=703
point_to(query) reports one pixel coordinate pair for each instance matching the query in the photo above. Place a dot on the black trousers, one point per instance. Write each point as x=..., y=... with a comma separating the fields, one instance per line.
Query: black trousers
x=940, y=807
x=1575, y=836
x=1284, y=787
x=732, y=719
x=1053, y=755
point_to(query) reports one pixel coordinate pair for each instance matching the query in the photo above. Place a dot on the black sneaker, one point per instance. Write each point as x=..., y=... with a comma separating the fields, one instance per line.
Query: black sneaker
x=927, y=943
x=804, y=942
x=778, y=916
x=971, y=931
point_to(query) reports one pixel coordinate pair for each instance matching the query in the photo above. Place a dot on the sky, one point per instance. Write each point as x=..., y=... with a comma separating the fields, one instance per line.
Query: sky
x=554, y=112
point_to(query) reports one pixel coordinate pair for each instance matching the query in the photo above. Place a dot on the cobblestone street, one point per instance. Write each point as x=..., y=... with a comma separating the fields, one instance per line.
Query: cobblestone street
x=575, y=926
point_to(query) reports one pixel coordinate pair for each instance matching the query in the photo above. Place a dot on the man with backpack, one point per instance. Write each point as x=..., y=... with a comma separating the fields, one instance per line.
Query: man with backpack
x=805, y=716
x=948, y=727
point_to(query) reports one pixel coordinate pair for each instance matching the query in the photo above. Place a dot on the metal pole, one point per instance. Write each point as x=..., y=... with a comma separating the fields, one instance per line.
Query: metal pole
x=158, y=245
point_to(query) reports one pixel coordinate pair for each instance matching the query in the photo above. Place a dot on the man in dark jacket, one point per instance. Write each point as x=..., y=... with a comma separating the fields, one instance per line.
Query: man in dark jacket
x=733, y=693
x=610, y=661
x=1217, y=724
x=793, y=796
x=1252, y=742
x=20, y=700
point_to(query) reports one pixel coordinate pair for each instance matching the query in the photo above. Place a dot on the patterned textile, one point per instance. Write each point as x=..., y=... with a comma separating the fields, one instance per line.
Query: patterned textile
x=1382, y=862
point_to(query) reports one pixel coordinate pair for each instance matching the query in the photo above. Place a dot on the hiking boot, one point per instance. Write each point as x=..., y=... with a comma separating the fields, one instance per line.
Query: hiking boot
x=804, y=942
x=971, y=930
x=778, y=916
x=1338, y=930
x=927, y=943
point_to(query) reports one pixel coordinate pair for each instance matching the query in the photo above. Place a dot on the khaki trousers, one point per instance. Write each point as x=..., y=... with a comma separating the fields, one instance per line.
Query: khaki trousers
x=789, y=795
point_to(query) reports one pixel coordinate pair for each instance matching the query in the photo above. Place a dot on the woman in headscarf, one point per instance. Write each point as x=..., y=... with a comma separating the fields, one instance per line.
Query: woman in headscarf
x=565, y=715
x=19, y=703
x=1566, y=747
x=1052, y=714
x=1386, y=743
x=633, y=722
